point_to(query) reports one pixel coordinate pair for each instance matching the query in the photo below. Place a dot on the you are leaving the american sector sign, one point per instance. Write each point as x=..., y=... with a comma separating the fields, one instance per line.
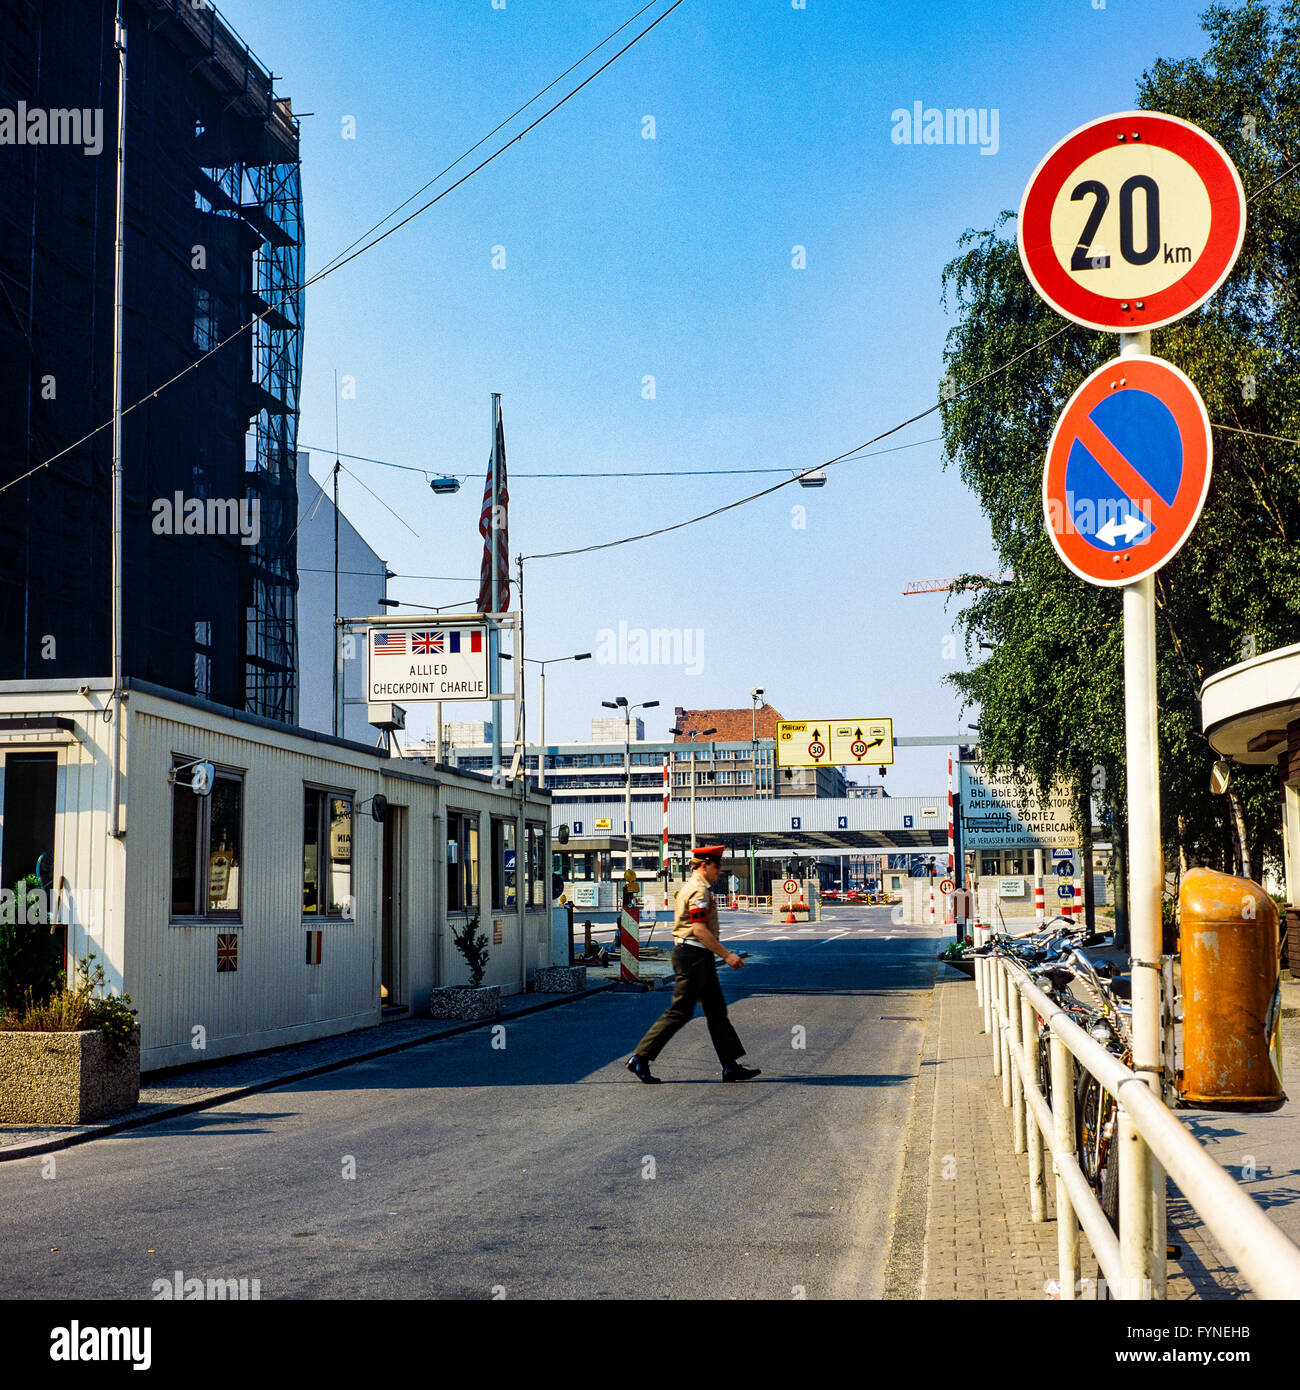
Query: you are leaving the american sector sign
x=998, y=813
x=426, y=662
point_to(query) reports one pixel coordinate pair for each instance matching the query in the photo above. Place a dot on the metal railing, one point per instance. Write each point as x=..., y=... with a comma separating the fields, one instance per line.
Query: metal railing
x=1150, y=1142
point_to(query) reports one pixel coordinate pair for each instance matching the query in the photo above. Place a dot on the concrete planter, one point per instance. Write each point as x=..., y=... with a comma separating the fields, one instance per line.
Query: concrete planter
x=465, y=1002
x=65, y=1078
x=560, y=979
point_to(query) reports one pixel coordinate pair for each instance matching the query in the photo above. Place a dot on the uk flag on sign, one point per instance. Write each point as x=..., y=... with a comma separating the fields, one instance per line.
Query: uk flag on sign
x=426, y=643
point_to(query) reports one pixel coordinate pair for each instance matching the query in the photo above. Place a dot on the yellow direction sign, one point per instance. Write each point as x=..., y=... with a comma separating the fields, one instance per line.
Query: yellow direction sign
x=834, y=742
x=858, y=741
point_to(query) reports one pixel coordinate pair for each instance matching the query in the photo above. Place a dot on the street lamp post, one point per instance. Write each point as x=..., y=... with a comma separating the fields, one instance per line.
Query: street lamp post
x=702, y=733
x=621, y=703
x=541, y=747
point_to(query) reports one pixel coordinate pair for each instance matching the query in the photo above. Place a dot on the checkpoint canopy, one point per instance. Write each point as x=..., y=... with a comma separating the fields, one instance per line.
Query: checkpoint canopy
x=1127, y=470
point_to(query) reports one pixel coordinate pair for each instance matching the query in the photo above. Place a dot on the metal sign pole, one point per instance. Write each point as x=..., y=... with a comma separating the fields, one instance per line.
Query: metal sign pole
x=1146, y=867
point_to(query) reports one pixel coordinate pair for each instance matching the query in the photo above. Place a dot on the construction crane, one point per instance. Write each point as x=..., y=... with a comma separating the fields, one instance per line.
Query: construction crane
x=945, y=586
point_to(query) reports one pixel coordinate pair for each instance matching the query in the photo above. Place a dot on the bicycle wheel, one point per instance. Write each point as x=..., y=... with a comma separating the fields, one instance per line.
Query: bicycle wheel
x=1089, y=1125
x=1094, y=1124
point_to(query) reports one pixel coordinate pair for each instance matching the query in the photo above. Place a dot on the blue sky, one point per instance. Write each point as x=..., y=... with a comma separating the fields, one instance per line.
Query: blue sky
x=671, y=258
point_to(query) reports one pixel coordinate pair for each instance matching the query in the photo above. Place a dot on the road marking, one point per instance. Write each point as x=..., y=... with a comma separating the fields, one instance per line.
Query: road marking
x=829, y=939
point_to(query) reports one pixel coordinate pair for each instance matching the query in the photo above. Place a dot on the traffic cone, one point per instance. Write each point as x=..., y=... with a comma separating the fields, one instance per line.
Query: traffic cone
x=789, y=914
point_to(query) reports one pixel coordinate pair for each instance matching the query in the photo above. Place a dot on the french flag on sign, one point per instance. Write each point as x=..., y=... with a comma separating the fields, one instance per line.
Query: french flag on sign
x=475, y=641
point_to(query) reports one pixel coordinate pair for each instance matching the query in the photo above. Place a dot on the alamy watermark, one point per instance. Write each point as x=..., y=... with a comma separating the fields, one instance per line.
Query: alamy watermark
x=657, y=646
x=933, y=125
x=179, y=515
x=216, y=1290
x=40, y=125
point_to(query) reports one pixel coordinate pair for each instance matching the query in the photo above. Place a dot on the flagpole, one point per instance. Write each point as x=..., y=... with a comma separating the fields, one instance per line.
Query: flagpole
x=494, y=632
x=119, y=278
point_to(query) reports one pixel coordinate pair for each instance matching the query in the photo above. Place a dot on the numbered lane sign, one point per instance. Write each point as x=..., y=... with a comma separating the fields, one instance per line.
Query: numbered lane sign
x=1131, y=222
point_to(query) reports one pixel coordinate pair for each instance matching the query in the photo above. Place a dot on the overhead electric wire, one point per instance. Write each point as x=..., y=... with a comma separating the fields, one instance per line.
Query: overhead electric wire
x=344, y=258
x=817, y=467
x=516, y=112
x=1254, y=434
x=630, y=473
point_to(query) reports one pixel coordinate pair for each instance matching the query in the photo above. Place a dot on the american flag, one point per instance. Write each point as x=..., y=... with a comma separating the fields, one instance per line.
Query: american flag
x=389, y=644
x=425, y=643
x=499, y=602
x=227, y=952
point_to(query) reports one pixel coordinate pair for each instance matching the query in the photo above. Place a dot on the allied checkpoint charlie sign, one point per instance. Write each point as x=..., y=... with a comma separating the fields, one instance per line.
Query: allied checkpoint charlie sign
x=426, y=661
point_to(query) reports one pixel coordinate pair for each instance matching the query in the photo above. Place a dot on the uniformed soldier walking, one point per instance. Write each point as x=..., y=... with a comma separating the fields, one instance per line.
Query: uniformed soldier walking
x=695, y=932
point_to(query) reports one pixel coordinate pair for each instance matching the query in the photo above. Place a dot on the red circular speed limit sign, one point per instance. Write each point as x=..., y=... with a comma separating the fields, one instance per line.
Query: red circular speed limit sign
x=816, y=750
x=1131, y=222
x=858, y=748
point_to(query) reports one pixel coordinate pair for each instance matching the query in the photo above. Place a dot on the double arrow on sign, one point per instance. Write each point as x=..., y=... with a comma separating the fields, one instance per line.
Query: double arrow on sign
x=1131, y=526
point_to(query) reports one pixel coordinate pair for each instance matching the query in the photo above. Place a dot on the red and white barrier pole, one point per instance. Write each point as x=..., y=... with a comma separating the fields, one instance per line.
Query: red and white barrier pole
x=1040, y=907
x=629, y=938
x=663, y=843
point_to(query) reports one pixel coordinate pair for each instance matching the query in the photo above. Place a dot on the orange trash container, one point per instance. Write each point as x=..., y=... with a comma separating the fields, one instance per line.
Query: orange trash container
x=1230, y=958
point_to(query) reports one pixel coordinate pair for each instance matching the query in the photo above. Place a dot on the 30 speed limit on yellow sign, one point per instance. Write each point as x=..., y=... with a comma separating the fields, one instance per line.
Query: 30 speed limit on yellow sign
x=834, y=742
x=1131, y=221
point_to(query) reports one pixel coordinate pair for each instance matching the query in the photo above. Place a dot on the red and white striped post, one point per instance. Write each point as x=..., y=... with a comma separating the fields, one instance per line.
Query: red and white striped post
x=1040, y=907
x=1078, y=900
x=950, y=905
x=629, y=938
x=663, y=843
x=950, y=822
x=933, y=919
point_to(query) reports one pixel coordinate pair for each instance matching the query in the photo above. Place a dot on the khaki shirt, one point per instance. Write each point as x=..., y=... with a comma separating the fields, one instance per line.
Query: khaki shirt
x=694, y=892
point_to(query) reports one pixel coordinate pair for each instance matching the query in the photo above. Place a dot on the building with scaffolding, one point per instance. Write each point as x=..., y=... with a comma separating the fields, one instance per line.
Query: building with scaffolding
x=213, y=240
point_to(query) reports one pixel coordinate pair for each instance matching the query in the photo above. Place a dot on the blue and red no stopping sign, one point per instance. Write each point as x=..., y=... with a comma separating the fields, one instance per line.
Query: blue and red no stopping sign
x=1127, y=470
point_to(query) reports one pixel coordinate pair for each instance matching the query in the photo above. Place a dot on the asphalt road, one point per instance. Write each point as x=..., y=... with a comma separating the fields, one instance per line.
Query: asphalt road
x=537, y=1168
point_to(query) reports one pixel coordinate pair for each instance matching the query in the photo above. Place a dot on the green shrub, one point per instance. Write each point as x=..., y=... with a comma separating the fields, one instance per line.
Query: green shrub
x=29, y=951
x=77, y=1009
x=474, y=948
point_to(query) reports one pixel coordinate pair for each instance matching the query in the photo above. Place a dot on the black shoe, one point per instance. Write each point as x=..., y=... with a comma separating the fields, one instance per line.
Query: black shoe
x=739, y=1073
x=641, y=1070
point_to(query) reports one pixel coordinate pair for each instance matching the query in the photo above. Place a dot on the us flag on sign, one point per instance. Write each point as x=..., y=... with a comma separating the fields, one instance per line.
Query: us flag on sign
x=498, y=602
x=389, y=644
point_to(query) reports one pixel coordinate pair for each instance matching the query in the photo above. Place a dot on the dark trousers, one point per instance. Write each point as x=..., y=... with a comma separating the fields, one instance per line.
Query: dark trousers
x=697, y=982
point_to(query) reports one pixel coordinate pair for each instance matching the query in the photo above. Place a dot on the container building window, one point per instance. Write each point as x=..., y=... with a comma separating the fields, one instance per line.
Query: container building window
x=207, y=847
x=327, y=854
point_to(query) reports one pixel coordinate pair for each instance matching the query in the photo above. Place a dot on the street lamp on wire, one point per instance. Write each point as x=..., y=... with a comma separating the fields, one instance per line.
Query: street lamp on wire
x=621, y=703
x=541, y=751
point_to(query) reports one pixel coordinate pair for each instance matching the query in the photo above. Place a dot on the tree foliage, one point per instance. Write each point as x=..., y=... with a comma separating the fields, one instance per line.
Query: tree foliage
x=1051, y=691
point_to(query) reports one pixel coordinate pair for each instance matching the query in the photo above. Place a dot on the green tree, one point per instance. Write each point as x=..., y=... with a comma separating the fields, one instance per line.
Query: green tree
x=1051, y=692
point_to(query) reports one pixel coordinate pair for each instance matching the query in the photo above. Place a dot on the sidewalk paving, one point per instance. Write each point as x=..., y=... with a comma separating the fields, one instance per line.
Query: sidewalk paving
x=182, y=1090
x=962, y=1227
